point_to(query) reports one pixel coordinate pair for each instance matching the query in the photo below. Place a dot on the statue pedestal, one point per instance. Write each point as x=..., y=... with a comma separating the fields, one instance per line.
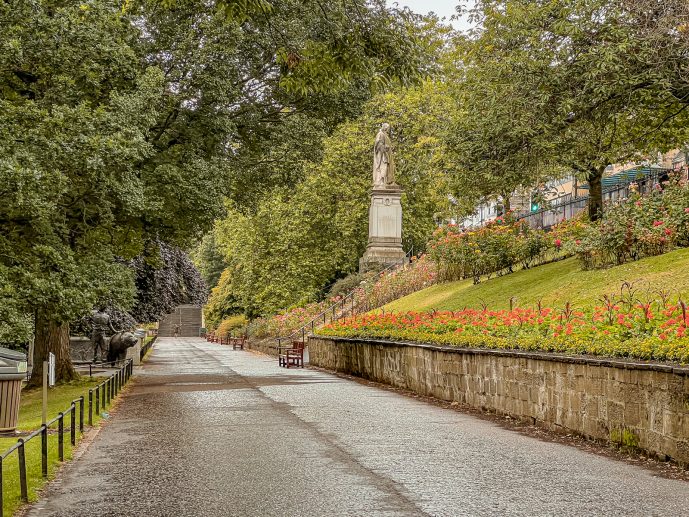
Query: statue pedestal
x=384, y=229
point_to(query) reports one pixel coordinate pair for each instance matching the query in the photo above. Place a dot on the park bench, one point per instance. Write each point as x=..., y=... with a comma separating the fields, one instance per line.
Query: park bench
x=237, y=342
x=292, y=355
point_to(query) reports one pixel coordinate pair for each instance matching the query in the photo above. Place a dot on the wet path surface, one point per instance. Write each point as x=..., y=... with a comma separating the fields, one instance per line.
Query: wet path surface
x=208, y=431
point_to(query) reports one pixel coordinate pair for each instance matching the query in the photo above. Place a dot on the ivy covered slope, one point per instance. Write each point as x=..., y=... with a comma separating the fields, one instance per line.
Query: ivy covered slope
x=554, y=285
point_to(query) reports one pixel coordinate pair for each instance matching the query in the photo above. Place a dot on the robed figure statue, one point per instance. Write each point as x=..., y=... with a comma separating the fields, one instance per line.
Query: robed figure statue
x=383, y=161
x=100, y=325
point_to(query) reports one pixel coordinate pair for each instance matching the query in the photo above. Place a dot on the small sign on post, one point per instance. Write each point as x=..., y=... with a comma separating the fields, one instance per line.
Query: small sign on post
x=48, y=380
x=51, y=369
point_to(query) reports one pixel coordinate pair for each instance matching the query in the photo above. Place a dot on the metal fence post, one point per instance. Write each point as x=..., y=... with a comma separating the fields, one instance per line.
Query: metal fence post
x=2, y=498
x=22, y=471
x=97, y=400
x=90, y=407
x=60, y=436
x=73, y=424
x=44, y=451
x=81, y=414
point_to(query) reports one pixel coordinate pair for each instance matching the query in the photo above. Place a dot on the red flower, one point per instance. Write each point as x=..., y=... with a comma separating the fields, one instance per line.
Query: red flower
x=686, y=210
x=668, y=231
x=657, y=223
x=558, y=243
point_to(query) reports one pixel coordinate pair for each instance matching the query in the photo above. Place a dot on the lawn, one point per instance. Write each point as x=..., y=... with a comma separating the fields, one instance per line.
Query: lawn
x=30, y=412
x=555, y=284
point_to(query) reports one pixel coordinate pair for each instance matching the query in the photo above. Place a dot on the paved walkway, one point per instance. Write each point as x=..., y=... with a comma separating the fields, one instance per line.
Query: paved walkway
x=208, y=431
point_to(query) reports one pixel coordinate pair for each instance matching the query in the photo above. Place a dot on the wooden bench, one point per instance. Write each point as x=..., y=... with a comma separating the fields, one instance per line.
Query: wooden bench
x=292, y=355
x=237, y=342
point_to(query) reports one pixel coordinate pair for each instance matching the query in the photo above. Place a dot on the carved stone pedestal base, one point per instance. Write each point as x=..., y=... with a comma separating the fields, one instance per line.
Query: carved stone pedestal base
x=384, y=229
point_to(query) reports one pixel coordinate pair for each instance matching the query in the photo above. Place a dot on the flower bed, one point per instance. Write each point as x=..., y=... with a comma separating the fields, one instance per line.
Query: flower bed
x=635, y=228
x=654, y=330
x=395, y=283
x=497, y=247
x=289, y=321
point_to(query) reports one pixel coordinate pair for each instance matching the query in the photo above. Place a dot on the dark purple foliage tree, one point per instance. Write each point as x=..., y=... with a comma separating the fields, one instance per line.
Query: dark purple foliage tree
x=165, y=280
x=165, y=277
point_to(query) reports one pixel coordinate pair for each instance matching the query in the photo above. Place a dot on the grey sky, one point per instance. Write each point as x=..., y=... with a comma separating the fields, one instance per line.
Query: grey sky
x=443, y=8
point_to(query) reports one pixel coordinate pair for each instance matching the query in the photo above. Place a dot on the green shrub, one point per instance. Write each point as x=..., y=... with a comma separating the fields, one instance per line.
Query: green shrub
x=232, y=325
x=221, y=302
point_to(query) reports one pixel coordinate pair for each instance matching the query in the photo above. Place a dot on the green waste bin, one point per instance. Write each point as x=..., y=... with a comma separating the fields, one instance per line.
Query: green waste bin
x=12, y=373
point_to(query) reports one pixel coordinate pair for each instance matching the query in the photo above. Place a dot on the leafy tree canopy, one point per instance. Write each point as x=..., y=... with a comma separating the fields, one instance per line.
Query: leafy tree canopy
x=119, y=122
x=584, y=90
x=300, y=241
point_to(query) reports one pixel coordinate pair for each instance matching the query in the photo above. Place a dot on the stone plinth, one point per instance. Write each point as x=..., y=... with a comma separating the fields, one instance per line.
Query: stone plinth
x=134, y=353
x=384, y=229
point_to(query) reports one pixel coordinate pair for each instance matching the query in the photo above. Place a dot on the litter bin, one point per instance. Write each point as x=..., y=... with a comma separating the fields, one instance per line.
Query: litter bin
x=12, y=373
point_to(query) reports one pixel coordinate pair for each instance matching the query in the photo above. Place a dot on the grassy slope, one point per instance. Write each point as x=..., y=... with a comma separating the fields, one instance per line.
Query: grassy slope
x=555, y=284
x=30, y=411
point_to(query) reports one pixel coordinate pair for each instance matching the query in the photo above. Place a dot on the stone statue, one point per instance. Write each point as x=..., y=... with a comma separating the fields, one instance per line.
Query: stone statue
x=100, y=324
x=383, y=162
x=119, y=343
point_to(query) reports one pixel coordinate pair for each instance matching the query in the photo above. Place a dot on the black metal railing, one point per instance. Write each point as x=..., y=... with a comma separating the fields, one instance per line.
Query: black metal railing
x=567, y=207
x=104, y=393
x=340, y=309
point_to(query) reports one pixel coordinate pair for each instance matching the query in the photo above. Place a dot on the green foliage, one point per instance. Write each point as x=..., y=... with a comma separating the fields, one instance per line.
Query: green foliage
x=637, y=227
x=572, y=83
x=296, y=242
x=495, y=248
x=232, y=325
x=346, y=285
x=208, y=259
x=221, y=302
x=71, y=173
x=120, y=122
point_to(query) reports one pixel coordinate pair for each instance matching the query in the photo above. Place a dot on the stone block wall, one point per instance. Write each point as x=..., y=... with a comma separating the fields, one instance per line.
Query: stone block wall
x=644, y=405
x=265, y=346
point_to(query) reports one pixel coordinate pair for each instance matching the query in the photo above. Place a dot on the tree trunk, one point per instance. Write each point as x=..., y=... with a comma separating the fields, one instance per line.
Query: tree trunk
x=596, y=194
x=506, y=205
x=51, y=337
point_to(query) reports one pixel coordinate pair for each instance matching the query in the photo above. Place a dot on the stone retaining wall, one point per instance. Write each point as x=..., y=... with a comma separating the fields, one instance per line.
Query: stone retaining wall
x=265, y=346
x=644, y=405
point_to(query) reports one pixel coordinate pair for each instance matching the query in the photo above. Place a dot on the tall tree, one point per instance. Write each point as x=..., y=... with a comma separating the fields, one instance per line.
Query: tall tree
x=301, y=240
x=118, y=123
x=577, y=63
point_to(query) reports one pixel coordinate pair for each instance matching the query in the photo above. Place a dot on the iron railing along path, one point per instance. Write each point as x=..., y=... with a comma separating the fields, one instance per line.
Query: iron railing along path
x=104, y=392
x=346, y=305
x=566, y=207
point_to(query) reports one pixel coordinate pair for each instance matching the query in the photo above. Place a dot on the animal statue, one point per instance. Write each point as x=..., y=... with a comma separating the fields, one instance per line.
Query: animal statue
x=119, y=343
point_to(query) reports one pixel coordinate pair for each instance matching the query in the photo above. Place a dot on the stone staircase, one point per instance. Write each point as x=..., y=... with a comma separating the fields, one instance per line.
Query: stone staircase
x=189, y=319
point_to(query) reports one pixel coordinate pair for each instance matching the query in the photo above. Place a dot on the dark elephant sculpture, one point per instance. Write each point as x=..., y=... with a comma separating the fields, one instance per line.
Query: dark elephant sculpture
x=119, y=343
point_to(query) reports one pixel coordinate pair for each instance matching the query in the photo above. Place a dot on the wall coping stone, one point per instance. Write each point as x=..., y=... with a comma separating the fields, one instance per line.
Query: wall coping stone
x=626, y=364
